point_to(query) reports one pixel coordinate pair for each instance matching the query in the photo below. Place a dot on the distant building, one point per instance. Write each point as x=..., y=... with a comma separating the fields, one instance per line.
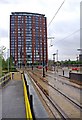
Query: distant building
x=28, y=38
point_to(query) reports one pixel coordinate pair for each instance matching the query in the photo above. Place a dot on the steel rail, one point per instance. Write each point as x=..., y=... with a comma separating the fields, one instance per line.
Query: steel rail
x=63, y=94
x=55, y=105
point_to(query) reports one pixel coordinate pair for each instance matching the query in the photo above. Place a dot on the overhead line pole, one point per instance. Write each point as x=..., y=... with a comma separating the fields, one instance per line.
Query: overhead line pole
x=51, y=39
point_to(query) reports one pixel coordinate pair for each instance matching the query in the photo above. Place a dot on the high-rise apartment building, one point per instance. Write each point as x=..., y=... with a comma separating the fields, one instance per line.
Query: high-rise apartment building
x=28, y=38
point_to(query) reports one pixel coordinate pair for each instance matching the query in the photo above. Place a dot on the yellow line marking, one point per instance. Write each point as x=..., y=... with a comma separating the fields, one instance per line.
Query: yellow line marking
x=27, y=104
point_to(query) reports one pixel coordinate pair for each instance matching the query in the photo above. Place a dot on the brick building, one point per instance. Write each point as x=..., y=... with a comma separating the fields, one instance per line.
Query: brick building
x=28, y=38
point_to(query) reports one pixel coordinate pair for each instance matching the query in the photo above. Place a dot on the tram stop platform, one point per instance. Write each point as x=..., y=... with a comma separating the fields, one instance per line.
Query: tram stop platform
x=13, y=100
x=38, y=107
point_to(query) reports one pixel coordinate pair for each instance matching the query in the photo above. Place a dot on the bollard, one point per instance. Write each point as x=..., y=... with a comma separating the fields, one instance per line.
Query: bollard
x=63, y=72
x=31, y=105
x=23, y=72
x=31, y=102
x=12, y=75
x=32, y=67
x=69, y=74
x=54, y=68
x=27, y=86
x=25, y=80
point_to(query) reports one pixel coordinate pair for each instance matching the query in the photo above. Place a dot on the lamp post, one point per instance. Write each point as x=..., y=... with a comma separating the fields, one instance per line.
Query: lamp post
x=54, y=60
x=57, y=60
x=43, y=57
x=77, y=60
x=52, y=38
x=8, y=58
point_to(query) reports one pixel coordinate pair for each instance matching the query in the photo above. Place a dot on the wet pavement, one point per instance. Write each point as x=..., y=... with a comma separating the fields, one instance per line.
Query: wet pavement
x=71, y=89
x=13, y=100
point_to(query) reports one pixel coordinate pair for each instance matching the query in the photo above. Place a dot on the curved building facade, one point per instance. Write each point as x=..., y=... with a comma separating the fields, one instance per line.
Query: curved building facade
x=28, y=38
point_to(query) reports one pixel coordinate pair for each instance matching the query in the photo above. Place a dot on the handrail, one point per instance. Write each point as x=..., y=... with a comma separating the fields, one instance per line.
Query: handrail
x=5, y=79
x=27, y=104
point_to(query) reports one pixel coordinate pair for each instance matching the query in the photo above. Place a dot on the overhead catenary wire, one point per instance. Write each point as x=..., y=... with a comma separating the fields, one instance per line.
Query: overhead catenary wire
x=56, y=13
x=53, y=19
x=70, y=35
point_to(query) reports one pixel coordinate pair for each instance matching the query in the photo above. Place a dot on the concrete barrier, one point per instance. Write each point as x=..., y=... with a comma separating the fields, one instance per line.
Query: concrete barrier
x=76, y=77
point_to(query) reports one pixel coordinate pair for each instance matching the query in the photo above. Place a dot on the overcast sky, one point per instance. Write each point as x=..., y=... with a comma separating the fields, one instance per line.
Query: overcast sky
x=66, y=22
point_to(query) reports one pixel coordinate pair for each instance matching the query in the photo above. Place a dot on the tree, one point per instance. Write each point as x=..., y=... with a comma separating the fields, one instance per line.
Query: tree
x=2, y=50
x=10, y=63
x=4, y=64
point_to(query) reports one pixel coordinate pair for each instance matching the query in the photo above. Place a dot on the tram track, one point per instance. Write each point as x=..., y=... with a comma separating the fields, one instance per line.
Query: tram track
x=58, y=79
x=77, y=104
x=68, y=98
x=60, y=92
x=63, y=82
x=61, y=113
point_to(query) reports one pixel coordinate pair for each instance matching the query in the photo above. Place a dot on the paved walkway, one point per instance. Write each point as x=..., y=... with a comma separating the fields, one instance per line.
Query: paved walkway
x=13, y=100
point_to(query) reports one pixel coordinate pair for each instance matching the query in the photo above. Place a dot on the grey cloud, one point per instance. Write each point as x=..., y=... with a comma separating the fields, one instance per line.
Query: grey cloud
x=8, y=1
x=68, y=47
x=12, y=1
x=72, y=41
x=64, y=26
x=4, y=1
x=3, y=33
x=73, y=5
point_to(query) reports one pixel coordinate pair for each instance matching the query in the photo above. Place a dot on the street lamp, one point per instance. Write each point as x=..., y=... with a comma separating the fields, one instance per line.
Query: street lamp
x=8, y=58
x=57, y=60
x=54, y=60
x=43, y=57
x=51, y=41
